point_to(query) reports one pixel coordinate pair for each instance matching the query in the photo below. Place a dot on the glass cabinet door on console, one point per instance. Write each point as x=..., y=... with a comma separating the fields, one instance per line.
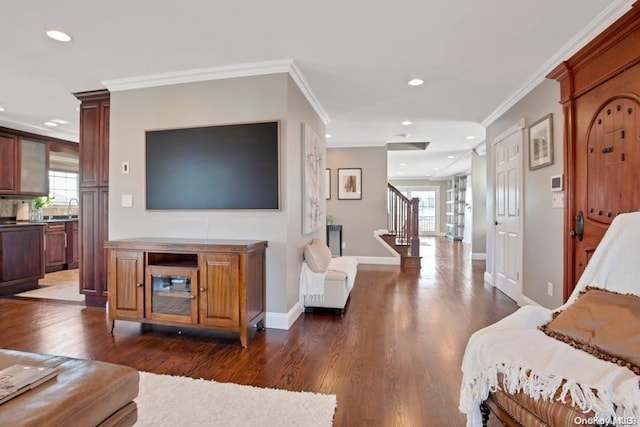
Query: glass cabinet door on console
x=172, y=294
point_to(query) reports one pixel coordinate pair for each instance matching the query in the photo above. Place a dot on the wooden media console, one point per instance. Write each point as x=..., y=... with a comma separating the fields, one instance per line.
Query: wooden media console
x=198, y=283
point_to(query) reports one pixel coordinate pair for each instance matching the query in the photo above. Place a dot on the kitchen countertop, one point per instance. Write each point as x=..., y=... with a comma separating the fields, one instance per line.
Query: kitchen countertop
x=11, y=222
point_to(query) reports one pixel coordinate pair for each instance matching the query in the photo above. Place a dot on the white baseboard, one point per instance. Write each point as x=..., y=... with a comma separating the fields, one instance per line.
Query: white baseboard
x=488, y=278
x=378, y=260
x=478, y=256
x=527, y=301
x=283, y=320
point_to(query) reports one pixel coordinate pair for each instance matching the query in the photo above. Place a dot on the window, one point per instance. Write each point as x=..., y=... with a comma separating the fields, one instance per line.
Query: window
x=427, y=208
x=63, y=186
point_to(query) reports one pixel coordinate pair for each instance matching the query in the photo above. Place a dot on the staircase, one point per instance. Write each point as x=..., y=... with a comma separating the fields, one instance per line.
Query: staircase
x=402, y=226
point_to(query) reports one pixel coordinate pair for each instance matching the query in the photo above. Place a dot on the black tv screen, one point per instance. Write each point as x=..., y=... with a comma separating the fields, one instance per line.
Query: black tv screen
x=215, y=167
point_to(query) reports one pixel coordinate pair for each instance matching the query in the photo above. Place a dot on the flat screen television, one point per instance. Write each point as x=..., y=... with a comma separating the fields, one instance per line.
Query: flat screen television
x=215, y=167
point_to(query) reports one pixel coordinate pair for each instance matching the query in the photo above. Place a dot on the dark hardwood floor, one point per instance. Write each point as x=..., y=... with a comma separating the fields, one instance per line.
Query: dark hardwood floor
x=392, y=360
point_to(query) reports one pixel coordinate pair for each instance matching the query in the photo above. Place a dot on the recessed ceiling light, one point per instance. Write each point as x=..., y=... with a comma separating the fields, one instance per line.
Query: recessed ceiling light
x=403, y=164
x=59, y=35
x=436, y=169
x=52, y=124
x=399, y=173
x=60, y=121
x=1, y=109
x=415, y=82
x=327, y=135
x=407, y=123
x=451, y=157
x=471, y=137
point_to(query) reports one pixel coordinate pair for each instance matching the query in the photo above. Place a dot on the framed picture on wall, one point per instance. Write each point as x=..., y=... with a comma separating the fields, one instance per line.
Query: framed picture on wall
x=541, y=143
x=350, y=184
x=327, y=183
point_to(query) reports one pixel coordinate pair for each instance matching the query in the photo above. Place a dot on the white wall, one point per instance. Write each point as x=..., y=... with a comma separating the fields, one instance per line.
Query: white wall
x=542, y=225
x=237, y=100
x=479, y=205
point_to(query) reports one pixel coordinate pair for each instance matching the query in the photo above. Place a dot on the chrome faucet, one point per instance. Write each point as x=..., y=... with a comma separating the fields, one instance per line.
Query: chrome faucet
x=69, y=207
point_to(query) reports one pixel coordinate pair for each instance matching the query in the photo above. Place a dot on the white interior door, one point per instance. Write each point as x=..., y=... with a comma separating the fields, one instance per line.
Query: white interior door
x=508, y=224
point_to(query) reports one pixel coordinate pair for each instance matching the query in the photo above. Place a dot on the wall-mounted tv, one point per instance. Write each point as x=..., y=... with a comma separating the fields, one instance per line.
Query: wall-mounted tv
x=215, y=167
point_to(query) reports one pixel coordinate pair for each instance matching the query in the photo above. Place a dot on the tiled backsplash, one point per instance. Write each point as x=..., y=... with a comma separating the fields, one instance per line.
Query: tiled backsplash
x=8, y=208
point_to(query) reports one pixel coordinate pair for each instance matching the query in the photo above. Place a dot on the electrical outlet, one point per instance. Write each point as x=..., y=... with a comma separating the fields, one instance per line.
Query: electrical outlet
x=550, y=289
x=344, y=245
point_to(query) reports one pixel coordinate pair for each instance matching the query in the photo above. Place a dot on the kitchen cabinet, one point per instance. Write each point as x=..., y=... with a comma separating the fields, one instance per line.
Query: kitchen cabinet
x=199, y=283
x=94, y=138
x=21, y=257
x=24, y=166
x=94, y=190
x=8, y=163
x=55, y=246
x=34, y=168
x=73, y=251
x=93, y=234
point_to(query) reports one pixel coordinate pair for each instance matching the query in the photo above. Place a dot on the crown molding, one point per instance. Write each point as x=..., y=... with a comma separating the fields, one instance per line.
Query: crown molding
x=219, y=73
x=608, y=16
x=304, y=87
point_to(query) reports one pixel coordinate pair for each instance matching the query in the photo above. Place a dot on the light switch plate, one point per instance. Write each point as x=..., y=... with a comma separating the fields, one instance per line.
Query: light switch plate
x=557, y=200
x=127, y=200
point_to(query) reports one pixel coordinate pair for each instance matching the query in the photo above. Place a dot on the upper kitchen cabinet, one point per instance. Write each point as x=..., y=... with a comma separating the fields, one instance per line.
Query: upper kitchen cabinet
x=34, y=167
x=8, y=163
x=94, y=137
x=24, y=164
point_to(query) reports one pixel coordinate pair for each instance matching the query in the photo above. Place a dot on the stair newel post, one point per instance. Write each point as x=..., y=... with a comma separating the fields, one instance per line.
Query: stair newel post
x=414, y=229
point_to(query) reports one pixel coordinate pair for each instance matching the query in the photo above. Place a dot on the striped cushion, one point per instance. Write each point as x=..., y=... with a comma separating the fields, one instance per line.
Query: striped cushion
x=528, y=411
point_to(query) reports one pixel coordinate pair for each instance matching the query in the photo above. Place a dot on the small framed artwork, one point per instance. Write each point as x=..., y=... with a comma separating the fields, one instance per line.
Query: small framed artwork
x=541, y=143
x=350, y=184
x=327, y=183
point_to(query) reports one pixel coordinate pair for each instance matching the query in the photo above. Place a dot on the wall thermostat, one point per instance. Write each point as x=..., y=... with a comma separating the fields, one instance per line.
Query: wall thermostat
x=557, y=183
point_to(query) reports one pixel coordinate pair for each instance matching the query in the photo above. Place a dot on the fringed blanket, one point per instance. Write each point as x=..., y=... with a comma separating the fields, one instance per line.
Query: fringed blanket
x=312, y=283
x=539, y=366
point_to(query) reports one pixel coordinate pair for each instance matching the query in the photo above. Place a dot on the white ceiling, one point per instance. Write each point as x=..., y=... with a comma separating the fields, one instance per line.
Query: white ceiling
x=356, y=55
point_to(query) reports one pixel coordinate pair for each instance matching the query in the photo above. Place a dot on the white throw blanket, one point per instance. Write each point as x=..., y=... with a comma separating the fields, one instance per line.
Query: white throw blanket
x=312, y=283
x=537, y=365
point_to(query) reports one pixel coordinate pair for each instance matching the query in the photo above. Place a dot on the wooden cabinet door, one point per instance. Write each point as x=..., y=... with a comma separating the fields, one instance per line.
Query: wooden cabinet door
x=94, y=143
x=126, y=276
x=93, y=235
x=8, y=163
x=219, y=294
x=171, y=294
x=56, y=245
x=73, y=252
x=22, y=253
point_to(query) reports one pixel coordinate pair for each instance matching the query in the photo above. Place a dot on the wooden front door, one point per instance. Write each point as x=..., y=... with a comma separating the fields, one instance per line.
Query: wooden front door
x=606, y=167
x=600, y=94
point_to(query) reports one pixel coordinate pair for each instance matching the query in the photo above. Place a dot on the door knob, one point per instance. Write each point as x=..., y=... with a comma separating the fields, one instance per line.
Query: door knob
x=495, y=222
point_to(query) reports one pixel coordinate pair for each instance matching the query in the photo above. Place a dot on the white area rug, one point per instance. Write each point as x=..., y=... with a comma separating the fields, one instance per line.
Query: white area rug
x=166, y=400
